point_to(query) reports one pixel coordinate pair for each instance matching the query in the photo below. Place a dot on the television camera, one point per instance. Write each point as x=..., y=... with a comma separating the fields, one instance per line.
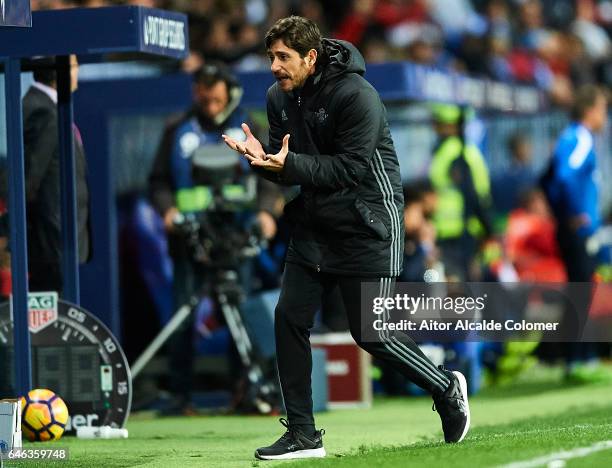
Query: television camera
x=220, y=235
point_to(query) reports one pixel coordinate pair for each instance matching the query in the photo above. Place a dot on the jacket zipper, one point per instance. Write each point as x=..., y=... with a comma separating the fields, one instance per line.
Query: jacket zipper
x=299, y=104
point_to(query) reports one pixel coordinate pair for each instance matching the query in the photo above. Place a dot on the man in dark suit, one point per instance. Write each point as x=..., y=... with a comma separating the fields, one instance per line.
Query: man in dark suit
x=42, y=177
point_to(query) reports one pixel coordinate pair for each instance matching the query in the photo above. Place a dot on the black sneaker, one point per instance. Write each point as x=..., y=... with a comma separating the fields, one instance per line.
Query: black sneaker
x=453, y=407
x=293, y=444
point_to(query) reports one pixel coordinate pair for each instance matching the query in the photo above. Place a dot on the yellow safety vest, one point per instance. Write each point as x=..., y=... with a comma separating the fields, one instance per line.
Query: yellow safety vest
x=449, y=217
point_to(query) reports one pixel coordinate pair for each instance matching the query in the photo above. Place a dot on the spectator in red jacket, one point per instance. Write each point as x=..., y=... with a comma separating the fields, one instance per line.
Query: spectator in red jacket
x=531, y=244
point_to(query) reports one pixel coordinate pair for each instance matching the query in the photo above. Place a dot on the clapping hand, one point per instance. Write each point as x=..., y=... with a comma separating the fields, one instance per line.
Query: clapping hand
x=251, y=148
x=274, y=162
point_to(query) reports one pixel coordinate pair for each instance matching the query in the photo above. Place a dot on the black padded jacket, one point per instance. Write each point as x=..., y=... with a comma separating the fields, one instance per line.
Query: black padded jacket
x=348, y=217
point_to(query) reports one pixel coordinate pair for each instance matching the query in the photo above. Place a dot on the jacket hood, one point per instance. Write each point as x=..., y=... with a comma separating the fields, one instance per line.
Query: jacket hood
x=342, y=57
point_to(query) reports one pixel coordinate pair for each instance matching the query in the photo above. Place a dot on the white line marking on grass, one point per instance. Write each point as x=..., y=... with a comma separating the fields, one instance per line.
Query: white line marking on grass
x=563, y=455
x=556, y=464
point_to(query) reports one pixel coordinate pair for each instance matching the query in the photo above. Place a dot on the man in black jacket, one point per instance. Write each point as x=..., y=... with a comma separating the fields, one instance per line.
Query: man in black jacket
x=329, y=135
x=42, y=178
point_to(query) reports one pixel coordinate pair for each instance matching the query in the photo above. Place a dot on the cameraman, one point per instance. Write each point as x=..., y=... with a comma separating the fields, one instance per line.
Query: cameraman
x=215, y=111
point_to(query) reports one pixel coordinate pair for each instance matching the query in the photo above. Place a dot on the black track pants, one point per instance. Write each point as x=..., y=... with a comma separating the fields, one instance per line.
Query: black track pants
x=300, y=298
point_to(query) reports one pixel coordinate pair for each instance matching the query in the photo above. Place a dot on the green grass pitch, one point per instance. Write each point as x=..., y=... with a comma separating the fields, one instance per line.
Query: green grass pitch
x=518, y=423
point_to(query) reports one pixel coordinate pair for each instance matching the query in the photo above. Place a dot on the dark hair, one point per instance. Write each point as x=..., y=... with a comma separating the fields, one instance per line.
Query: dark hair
x=43, y=69
x=297, y=33
x=526, y=197
x=584, y=99
x=210, y=74
x=516, y=140
x=412, y=194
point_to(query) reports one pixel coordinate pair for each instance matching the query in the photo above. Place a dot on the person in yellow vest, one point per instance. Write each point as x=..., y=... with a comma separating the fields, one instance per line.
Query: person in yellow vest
x=460, y=177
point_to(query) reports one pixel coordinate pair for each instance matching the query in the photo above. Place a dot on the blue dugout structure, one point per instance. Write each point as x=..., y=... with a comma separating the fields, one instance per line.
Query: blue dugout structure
x=89, y=33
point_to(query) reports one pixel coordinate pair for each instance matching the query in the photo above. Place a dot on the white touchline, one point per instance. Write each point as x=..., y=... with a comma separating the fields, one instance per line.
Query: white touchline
x=563, y=455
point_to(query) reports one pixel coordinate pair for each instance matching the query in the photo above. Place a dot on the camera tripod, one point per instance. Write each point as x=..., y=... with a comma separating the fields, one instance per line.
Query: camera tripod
x=225, y=290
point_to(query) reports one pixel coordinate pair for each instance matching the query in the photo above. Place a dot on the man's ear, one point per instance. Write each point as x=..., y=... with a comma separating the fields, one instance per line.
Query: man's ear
x=312, y=57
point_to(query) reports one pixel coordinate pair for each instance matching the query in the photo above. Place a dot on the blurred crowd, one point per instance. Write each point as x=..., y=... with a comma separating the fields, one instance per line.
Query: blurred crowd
x=556, y=45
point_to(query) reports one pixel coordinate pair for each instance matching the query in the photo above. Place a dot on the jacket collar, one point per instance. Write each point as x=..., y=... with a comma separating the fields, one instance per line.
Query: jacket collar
x=48, y=90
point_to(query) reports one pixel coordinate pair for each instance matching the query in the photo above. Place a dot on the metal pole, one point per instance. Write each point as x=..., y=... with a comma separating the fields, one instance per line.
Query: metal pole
x=17, y=222
x=176, y=321
x=70, y=247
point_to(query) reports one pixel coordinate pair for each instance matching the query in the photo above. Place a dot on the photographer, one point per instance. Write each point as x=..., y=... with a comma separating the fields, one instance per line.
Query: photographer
x=172, y=186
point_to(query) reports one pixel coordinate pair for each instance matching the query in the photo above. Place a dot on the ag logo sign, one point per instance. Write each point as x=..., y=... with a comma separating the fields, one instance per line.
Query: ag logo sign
x=42, y=310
